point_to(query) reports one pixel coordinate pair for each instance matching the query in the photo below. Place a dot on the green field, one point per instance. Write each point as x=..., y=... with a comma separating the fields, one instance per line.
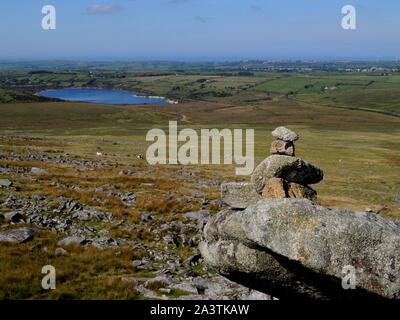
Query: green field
x=368, y=90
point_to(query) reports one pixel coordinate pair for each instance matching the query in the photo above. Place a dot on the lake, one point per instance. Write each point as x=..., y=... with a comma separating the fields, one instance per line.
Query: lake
x=100, y=95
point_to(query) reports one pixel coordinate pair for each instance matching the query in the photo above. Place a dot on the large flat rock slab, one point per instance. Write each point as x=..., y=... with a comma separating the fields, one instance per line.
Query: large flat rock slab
x=295, y=248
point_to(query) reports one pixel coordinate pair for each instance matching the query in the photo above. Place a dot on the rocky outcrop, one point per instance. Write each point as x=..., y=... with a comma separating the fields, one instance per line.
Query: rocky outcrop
x=286, y=245
x=197, y=288
x=17, y=235
x=295, y=248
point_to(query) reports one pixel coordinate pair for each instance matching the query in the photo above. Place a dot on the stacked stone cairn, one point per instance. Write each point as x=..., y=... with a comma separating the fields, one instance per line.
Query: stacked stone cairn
x=281, y=175
x=274, y=238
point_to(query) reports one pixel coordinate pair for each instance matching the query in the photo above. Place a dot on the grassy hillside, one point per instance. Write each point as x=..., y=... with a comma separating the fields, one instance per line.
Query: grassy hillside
x=359, y=151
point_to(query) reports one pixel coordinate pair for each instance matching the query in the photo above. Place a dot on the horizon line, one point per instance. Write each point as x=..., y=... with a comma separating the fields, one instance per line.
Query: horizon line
x=194, y=60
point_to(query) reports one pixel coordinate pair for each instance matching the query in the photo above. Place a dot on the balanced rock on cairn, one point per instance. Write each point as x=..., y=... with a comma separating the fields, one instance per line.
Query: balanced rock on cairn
x=284, y=143
x=281, y=175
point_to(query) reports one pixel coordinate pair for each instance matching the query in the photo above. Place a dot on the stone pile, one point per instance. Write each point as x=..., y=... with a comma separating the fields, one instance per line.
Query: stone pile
x=281, y=175
x=284, y=143
x=275, y=239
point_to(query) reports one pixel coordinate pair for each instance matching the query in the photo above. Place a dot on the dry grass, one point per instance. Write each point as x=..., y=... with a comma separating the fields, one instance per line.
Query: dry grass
x=83, y=274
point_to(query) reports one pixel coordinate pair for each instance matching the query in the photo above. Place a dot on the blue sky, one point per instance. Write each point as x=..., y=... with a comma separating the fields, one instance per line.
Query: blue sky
x=200, y=29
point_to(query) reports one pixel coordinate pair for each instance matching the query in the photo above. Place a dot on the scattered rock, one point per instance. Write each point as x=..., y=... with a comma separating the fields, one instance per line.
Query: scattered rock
x=186, y=287
x=5, y=183
x=255, y=295
x=103, y=243
x=59, y=159
x=71, y=240
x=169, y=239
x=143, y=264
x=128, y=198
x=197, y=297
x=196, y=288
x=150, y=294
x=165, y=290
x=17, y=235
x=137, y=263
x=145, y=217
x=85, y=215
x=35, y=170
x=197, y=215
x=13, y=216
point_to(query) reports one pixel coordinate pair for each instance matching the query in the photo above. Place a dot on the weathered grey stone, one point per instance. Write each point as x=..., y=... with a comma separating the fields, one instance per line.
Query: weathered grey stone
x=239, y=195
x=143, y=264
x=103, y=243
x=282, y=147
x=196, y=297
x=137, y=263
x=35, y=170
x=12, y=216
x=71, y=240
x=289, y=168
x=17, y=235
x=285, y=134
x=255, y=295
x=197, y=215
x=295, y=248
x=5, y=183
x=150, y=294
x=145, y=217
x=184, y=286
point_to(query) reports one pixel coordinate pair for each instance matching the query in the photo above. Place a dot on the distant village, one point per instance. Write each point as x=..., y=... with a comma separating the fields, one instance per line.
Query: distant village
x=379, y=68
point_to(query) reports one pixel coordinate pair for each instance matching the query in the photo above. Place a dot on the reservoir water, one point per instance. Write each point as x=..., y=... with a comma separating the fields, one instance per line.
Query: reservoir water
x=100, y=95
